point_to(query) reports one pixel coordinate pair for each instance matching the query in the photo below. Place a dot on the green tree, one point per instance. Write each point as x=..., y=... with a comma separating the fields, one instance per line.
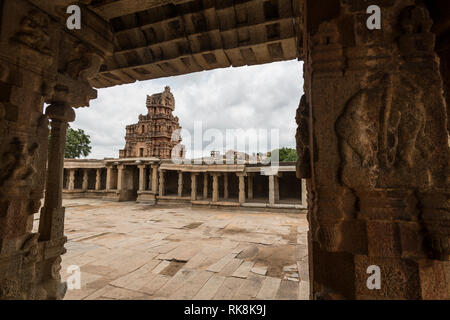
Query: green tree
x=286, y=154
x=78, y=144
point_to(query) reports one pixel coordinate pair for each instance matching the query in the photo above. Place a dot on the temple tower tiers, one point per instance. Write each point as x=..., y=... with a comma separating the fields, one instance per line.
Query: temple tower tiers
x=155, y=135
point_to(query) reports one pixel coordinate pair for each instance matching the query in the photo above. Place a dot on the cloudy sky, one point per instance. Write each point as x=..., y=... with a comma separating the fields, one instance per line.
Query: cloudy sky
x=263, y=98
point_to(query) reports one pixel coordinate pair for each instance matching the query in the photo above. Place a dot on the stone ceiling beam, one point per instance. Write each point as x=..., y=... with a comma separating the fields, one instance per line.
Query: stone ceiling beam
x=110, y=10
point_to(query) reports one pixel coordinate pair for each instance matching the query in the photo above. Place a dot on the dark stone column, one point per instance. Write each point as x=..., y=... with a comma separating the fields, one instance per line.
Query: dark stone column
x=379, y=190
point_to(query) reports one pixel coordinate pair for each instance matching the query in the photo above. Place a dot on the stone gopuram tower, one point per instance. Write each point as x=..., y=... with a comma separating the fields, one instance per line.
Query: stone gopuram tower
x=155, y=134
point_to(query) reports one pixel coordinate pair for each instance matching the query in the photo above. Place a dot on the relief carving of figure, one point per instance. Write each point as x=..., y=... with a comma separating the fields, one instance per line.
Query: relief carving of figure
x=34, y=32
x=84, y=63
x=30, y=248
x=379, y=129
x=17, y=162
x=358, y=133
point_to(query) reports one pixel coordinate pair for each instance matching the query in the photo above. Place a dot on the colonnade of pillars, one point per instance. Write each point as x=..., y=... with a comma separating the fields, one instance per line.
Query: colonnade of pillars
x=148, y=181
x=70, y=185
x=245, y=186
x=114, y=178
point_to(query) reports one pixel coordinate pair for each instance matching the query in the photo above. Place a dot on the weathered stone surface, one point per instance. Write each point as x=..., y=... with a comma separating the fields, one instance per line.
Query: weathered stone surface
x=130, y=261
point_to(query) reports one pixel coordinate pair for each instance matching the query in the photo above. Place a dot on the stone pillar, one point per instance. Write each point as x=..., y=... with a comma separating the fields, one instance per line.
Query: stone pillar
x=120, y=173
x=71, y=184
x=149, y=185
x=85, y=184
x=304, y=194
x=241, y=187
x=180, y=184
x=379, y=154
x=194, y=186
x=98, y=179
x=161, y=182
x=271, y=189
x=109, y=177
x=142, y=177
x=51, y=224
x=155, y=178
x=277, y=187
x=225, y=185
x=205, y=186
x=215, y=193
x=36, y=68
x=250, y=186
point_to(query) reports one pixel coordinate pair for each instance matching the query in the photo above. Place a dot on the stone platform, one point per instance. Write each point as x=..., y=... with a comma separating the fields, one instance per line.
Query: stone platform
x=133, y=251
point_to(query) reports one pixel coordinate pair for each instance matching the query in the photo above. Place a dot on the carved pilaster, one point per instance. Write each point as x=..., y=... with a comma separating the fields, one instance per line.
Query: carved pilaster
x=374, y=175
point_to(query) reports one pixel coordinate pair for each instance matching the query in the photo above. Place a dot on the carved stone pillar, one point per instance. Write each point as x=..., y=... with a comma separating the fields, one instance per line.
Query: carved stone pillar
x=98, y=179
x=180, y=184
x=241, y=177
x=154, y=178
x=109, y=177
x=85, y=179
x=271, y=189
x=71, y=184
x=51, y=224
x=379, y=188
x=161, y=182
x=39, y=63
x=304, y=194
x=250, y=186
x=142, y=180
x=120, y=176
x=277, y=188
x=194, y=186
x=225, y=185
x=215, y=192
x=149, y=185
x=205, y=186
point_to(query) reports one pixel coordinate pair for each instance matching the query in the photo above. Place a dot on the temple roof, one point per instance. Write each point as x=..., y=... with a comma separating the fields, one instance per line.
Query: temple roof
x=165, y=99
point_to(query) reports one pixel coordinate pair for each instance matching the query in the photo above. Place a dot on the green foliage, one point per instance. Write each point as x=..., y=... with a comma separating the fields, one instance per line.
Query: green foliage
x=78, y=144
x=286, y=154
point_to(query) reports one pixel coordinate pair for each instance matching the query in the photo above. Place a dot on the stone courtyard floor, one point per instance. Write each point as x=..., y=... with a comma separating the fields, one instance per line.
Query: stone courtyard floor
x=133, y=251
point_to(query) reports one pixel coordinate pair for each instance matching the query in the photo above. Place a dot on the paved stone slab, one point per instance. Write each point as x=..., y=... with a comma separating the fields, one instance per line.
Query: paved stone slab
x=303, y=290
x=243, y=270
x=269, y=288
x=175, y=282
x=249, y=288
x=230, y=267
x=288, y=290
x=209, y=290
x=259, y=269
x=190, y=288
x=229, y=288
x=219, y=265
x=130, y=251
x=154, y=284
